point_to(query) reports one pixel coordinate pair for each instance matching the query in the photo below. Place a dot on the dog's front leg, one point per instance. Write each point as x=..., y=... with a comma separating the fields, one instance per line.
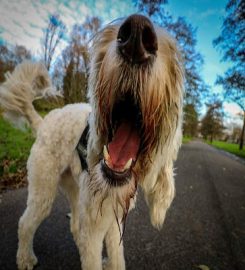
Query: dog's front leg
x=114, y=249
x=90, y=248
x=92, y=232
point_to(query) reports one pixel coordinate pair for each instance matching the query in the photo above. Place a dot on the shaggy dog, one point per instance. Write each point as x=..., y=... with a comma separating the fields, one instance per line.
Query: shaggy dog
x=135, y=116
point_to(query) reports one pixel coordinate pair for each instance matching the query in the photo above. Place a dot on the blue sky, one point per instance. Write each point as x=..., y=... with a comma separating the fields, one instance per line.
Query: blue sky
x=22, y=22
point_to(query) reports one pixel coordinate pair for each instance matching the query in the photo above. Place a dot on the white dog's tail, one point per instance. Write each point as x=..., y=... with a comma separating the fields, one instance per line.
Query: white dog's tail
x=29, y=81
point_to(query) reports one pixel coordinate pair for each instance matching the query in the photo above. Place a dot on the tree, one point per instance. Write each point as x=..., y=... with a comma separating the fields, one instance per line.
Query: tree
x=6, y=61
x=236, y=133
x=21, y=54
x=80, y=39
x=231, y=43
x=185, y=34
x=212, y=123
x=150, y=7
x=74, y=84
x=10, y=57
x=190, y=122
x=53, y=35
x=75, y=58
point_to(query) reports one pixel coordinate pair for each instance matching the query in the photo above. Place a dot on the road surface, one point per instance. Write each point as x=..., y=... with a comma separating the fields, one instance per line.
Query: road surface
x=205, y=225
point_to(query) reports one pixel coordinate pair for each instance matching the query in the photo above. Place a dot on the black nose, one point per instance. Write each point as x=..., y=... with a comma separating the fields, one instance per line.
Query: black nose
x=137, y=40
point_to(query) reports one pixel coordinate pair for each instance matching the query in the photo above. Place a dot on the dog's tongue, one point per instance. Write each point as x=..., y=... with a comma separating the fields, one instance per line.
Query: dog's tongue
x=124, y=145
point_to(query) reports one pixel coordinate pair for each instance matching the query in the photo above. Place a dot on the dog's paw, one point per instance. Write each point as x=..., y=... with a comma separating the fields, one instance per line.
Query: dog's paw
x=26, y=262
x=108, y=265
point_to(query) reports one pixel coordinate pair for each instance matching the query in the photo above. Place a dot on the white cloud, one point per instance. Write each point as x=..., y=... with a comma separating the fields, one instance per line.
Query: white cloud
x=233, y=109
x=24, y=22
x=233, y=113
x=83, y=9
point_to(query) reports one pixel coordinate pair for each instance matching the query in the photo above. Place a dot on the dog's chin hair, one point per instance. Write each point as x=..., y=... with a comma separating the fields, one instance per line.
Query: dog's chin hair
x=119, y=196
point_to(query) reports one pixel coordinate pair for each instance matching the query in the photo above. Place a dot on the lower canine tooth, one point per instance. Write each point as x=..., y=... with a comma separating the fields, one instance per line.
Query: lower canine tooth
x=106, y=154
x=128, y=164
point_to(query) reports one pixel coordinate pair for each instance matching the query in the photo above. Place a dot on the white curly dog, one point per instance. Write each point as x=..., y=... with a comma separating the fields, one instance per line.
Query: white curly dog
x=135, y=117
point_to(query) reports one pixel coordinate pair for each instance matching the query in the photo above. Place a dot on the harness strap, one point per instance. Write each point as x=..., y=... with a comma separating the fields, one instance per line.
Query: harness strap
x=82, y=148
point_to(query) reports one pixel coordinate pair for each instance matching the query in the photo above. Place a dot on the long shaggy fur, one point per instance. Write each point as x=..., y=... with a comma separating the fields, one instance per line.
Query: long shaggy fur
x=28, y=82
x=159, y=90
x=99, y=209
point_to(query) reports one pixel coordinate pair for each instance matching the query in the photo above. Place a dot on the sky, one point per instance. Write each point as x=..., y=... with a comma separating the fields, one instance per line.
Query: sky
x=22, y=22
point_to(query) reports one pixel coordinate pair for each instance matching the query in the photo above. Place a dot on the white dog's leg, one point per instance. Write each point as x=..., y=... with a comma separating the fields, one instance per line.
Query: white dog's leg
x=38, y=208
x=43, y=178
x=114, y=249
x=71, y=189
x=94, y=224
x=160, y=196
x=90, y=247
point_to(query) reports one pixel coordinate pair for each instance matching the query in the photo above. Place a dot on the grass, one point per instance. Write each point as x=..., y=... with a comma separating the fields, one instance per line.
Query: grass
x=186, y=139
x=15, y=147
x=229, y=147
x=14, y=143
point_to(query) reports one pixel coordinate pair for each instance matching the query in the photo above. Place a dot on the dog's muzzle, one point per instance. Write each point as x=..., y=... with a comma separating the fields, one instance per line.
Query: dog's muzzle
x=136, y=45
x=137, y=40
x=124, y=141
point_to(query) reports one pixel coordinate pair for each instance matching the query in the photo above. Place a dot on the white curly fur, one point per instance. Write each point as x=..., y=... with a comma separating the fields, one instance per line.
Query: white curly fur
x=96, y=207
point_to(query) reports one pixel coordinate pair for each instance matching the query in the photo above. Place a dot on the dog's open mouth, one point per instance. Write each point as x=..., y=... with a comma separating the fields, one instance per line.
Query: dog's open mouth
x=124, y=140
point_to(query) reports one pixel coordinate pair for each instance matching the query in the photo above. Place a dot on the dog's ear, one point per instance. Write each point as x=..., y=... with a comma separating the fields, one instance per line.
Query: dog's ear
x=159, y=194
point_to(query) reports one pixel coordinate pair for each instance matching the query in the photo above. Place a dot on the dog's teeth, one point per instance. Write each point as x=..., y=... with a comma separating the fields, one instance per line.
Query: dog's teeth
x=128, y=164
x=106, y=154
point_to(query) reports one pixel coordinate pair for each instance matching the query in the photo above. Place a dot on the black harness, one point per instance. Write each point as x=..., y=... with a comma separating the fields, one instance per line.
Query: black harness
x=82, y=148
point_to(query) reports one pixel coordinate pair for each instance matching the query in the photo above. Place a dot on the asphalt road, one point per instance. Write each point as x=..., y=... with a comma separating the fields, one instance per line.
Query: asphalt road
x=205, y=225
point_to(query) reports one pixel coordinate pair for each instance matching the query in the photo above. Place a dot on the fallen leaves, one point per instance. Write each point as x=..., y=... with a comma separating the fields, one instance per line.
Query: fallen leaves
x=12, y=180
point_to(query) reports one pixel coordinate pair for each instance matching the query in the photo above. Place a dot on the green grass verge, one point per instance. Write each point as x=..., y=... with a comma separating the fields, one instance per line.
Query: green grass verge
x=186, y=139
x=15, y=147
x=229, y=147
x=14, y=143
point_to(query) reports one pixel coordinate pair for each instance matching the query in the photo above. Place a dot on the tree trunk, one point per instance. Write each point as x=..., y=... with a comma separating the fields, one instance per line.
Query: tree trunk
x=242, y=133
